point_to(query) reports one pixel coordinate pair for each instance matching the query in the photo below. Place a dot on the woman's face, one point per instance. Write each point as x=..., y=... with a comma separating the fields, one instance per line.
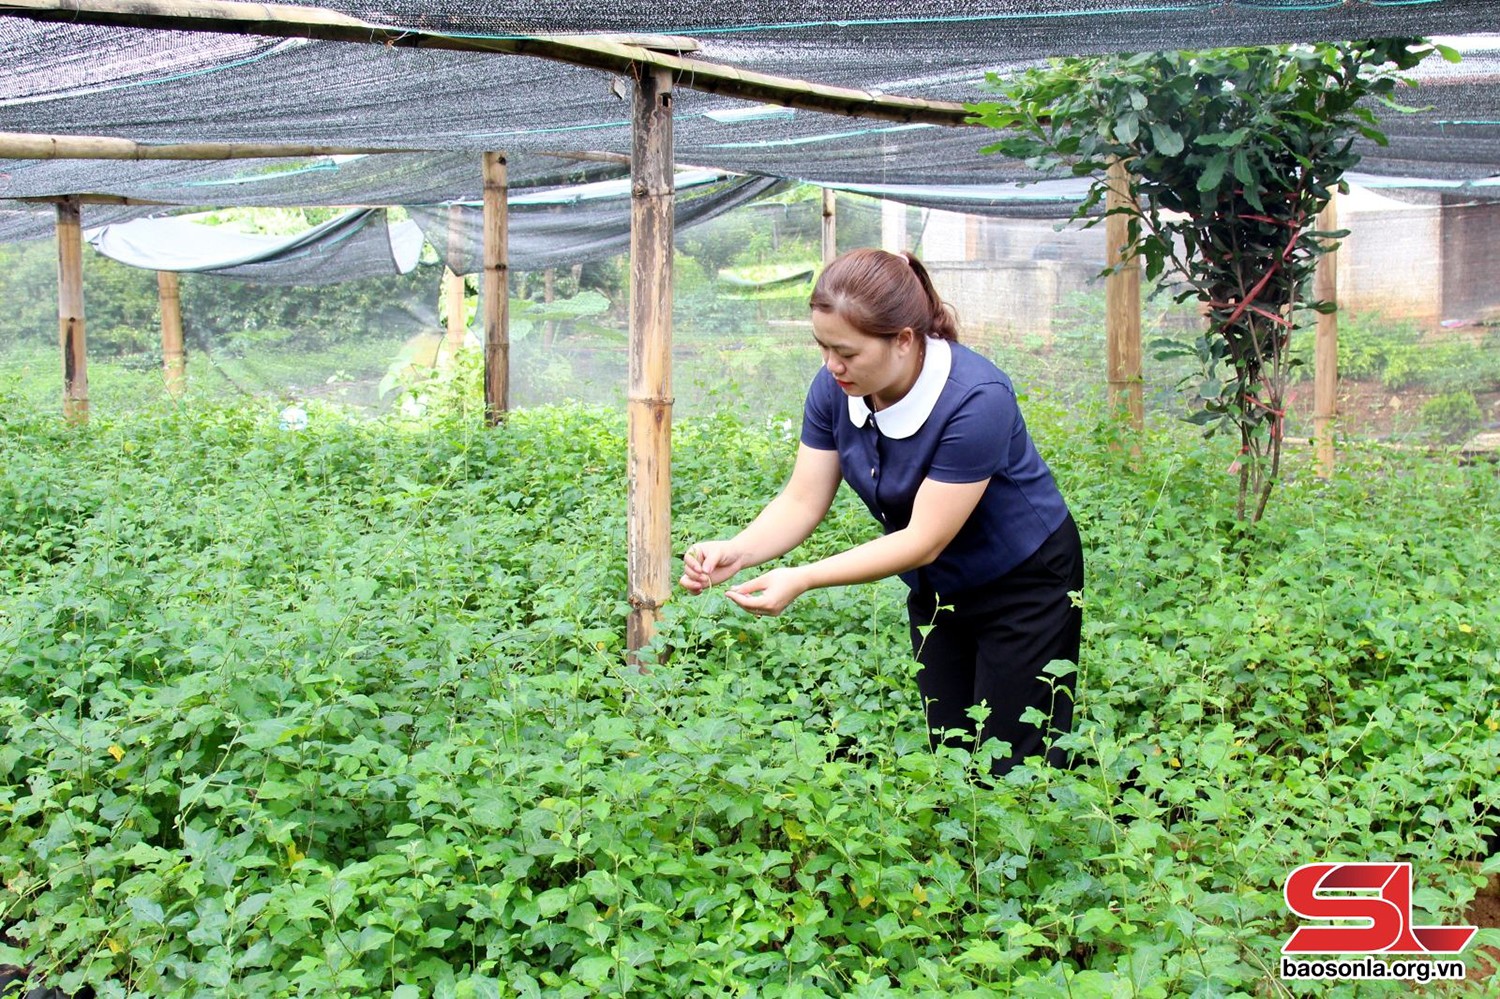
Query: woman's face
x=864, y=365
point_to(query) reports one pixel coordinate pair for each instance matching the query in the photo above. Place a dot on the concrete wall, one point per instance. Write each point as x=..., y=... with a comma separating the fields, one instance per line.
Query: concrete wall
x=1016, y=301
x=1392, y=260
x=1471, y=260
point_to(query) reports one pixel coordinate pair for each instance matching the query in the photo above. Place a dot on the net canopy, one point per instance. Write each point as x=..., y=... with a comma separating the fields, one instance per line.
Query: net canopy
x=355, y=245
x=374, y=180
x=576, y=225
x=163, y=86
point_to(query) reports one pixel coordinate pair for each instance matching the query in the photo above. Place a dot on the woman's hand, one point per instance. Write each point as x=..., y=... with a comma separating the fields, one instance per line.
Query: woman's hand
x=709, y=563
x=769, y=595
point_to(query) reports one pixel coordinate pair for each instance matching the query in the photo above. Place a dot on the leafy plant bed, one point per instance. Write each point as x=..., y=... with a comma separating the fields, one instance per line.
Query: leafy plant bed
x=345, y=712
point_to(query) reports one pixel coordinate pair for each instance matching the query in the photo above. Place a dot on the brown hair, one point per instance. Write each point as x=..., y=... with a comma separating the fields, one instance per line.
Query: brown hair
x=880, y=294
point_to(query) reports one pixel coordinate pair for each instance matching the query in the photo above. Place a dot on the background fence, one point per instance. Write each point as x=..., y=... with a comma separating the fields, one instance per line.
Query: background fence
x=1419, y=326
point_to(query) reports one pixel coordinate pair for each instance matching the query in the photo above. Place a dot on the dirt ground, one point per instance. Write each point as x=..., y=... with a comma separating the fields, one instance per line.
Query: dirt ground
x=1370, y=411
x=1484, y=962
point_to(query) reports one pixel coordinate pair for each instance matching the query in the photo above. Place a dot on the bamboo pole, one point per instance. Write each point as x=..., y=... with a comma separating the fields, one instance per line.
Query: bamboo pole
x=173, y=359
x=457, y=309
x=830, y=225
x=549, y=295
x=453, y=284
x=34, y=146
x=892, y=226
x=623, y=55
x=90, y=199
x=496, y=292
x=1326, y=345
x=70, y=312
x=649, y=461
x=1122, y=296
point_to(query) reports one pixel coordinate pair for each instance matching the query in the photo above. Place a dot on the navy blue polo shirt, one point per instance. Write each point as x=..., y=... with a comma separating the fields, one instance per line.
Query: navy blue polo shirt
x=958, y=423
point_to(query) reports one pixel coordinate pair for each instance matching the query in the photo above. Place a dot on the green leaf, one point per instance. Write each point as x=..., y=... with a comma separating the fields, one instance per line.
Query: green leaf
x=145, y=910
x=1403, y=108
x=1166, y=141
x=552, y=901
x=1242, y=171
x=1213, y=172
x=1223, y=139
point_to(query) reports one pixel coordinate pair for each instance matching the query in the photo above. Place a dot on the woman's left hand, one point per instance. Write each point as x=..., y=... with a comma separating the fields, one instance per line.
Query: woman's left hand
x=769, y=595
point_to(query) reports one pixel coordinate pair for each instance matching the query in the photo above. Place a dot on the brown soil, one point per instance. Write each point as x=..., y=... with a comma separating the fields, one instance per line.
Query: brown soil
x=1484, y=962
x=1370, y=411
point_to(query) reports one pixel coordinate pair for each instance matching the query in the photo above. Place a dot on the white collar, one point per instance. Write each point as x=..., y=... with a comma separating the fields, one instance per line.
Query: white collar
x=905, y=417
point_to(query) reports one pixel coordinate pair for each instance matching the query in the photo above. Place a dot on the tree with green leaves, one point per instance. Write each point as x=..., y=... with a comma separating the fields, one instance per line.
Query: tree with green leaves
x=1232, y=153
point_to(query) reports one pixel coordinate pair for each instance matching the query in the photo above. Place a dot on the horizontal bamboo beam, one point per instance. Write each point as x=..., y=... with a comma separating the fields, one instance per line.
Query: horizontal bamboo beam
x=89, y=199
x=587, y=156
x=655, y=43
x=34, y=146
x=592, y=51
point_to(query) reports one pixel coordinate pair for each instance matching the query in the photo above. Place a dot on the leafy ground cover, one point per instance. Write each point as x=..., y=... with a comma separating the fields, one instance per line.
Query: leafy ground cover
x=345, y=712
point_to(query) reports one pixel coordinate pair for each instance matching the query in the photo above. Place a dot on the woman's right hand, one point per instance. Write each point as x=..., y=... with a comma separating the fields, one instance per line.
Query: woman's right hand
x=708, y=563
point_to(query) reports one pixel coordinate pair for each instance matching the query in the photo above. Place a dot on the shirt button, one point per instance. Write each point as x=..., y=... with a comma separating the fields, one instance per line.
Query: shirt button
x=873, y=473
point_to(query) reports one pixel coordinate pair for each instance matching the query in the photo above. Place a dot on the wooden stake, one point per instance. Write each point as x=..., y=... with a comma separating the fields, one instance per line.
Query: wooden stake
x=892, y=226
x=1122, y=297
x=830, y=225
x=453, y=284
x=70, y=311
x=549, y=295
x=496, y=292
x=457, y=308
x=173, y=360
x=649, y=461
x=1326, y=346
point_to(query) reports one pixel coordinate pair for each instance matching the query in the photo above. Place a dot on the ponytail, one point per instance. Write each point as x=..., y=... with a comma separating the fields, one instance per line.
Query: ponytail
x=944, y=318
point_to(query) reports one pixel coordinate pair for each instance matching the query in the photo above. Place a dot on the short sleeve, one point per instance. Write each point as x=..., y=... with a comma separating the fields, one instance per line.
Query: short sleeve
x=975, y=442
x=818, y=415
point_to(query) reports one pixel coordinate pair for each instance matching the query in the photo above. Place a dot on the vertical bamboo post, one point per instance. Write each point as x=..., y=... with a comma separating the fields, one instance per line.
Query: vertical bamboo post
x=453, y=292
x=649, y=461
x=830, y=225
x=173, y=360
x=453, y=282
x=549, y=295
x=70, y=311
x=892, y=226
x=496, y=292
x=1122, y=297
x=1326, y=346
